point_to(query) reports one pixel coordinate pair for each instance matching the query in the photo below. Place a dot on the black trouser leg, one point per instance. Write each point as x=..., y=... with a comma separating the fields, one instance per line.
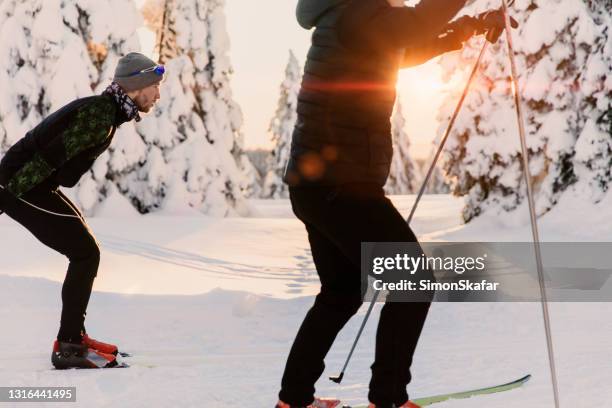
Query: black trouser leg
x=70, y=237
x=338, y=220
x=78, y=212
x=399, y=329
x=76, y=292
x=339, y=299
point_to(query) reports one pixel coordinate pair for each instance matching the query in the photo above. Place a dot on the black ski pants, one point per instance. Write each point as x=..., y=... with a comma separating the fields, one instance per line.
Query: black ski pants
x=69, y=236
x=337, y=220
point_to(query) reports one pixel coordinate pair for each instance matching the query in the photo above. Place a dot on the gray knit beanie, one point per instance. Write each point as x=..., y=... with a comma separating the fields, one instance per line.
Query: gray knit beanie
x=129, y=65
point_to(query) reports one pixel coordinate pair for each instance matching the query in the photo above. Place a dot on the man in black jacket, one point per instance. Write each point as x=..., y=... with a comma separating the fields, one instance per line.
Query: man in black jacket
x=340, y=159
x=56, y=153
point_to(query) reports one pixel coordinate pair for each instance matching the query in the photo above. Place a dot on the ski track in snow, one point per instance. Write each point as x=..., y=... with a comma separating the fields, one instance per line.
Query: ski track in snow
x=227, y=347
x=198, y=262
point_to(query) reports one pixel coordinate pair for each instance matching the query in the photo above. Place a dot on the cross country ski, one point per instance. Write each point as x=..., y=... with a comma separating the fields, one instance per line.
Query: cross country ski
x=426, y=401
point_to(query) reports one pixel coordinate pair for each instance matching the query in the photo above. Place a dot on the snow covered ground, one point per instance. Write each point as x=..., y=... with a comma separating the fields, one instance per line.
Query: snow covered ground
x=210, y=306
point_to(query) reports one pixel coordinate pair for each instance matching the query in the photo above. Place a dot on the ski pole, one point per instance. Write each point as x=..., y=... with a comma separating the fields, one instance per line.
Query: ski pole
x=338, y=379
x=530, y=201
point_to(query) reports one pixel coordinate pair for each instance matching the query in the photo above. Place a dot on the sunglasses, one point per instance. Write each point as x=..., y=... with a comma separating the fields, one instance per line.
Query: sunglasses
x=157, y=69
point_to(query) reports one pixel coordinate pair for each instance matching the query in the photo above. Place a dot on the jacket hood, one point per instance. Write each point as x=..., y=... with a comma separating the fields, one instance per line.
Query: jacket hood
x=309, y=11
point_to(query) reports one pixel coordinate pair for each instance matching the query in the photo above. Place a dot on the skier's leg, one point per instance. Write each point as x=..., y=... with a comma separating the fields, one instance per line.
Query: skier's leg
x=347, y=216
x=399, y=329
x=84, y=255
x=353, y=214
x=400, y=324
x=80, y=214
x=70, y=237
x=337, y=301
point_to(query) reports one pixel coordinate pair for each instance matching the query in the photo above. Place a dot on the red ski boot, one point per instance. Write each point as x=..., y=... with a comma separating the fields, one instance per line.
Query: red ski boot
x=73, y=355
x=100, y=346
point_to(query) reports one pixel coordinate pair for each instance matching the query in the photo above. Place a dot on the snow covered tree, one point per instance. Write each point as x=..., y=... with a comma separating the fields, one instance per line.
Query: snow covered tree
x=438, y=183
x=281, y=129
x=252, y=184
x=593, y=159
x=554, y=44
x=259, y=158
x=54, y=51
x=159, y=18
x=194, y=144
x=402, y=174
x=110, y=35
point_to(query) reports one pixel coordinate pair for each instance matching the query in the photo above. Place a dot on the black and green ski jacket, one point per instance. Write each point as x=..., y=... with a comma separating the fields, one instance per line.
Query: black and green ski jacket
x=63, y=146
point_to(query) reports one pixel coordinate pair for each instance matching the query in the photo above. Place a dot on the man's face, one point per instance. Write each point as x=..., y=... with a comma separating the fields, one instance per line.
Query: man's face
x=146, y=98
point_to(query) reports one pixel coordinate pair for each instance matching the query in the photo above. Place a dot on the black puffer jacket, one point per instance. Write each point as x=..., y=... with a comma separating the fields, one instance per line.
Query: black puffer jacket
x=342, y=134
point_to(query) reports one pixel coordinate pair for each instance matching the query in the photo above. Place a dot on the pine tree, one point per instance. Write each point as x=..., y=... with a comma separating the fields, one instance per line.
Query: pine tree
x=438, y=183
x=109, y=37
x=483, y=156
x=54, y=51
x=593, y=159
x=402, y=173
x=194, y=142
x=159, y=18
x=281, y=129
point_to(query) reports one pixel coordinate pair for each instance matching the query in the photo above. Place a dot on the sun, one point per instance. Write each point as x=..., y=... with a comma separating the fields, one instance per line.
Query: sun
x=422, y=90
x=427, y=80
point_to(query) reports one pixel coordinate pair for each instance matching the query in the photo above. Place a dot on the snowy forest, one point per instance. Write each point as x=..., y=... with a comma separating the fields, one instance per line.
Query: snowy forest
x=566, y=85
x=190, y=154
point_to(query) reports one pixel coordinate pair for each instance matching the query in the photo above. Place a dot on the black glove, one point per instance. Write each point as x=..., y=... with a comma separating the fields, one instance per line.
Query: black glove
x=493, y=24
x=490, y=22
x=459, y=31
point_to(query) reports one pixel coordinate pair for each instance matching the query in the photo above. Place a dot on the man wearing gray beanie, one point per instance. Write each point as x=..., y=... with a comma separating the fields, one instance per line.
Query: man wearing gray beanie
x=56, y=153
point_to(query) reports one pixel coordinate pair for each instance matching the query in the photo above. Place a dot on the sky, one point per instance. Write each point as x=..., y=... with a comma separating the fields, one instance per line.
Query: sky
x=263, y=32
